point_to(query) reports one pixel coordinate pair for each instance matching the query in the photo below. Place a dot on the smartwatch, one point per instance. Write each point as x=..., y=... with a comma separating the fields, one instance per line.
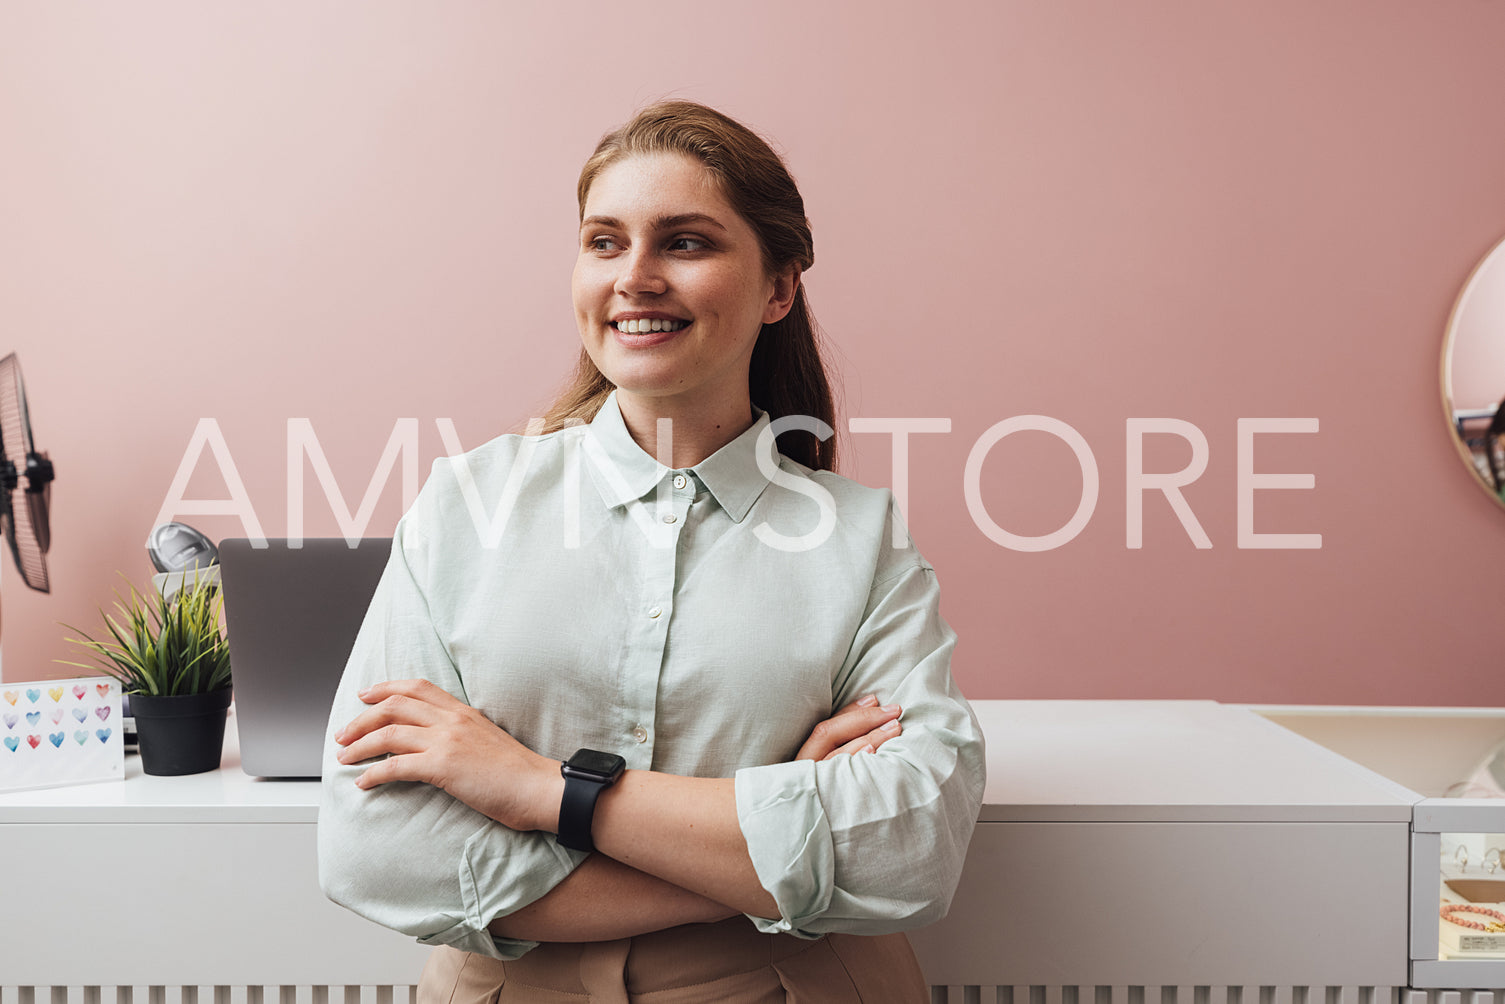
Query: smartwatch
x=586, y=775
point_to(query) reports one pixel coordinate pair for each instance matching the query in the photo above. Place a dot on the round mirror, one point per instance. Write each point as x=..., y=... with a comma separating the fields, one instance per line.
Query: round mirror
x=1473, y=373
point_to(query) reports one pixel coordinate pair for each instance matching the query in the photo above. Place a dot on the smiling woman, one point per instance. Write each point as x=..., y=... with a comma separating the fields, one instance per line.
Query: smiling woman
x=742, y=188
x=671, y=296
x=646, y=752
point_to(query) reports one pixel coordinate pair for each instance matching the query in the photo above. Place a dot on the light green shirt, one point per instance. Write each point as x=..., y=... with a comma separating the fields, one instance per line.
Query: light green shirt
x=698, y=622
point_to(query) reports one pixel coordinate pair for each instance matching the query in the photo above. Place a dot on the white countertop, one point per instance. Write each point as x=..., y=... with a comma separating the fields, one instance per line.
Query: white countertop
x=226, y=795
x=1084, y=761
x=1048, y=761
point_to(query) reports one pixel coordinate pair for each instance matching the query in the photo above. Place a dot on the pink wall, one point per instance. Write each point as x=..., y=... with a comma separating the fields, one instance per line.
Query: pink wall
x=1089, y=210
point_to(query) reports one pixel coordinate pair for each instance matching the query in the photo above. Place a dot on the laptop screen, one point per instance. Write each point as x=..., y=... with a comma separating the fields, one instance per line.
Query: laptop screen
x=292, y=615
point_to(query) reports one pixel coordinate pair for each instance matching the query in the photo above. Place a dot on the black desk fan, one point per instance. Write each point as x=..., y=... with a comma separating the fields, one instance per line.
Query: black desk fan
x=25, y=481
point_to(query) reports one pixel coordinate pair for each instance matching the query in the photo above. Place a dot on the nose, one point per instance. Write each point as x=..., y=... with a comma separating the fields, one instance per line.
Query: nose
x=640, y=272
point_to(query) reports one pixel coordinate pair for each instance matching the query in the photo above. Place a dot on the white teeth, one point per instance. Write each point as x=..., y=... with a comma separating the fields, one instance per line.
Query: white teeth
x=639, y=327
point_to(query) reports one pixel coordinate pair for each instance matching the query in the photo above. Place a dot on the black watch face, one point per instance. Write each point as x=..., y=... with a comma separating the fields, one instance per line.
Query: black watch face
x=595, y=762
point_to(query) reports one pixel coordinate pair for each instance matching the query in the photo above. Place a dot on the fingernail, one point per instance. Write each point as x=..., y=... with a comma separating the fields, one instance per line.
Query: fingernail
x=340, y=738
x=868, y=701
x=892, y=726
x=365, y=692
x=891, y=708
x=869, y=748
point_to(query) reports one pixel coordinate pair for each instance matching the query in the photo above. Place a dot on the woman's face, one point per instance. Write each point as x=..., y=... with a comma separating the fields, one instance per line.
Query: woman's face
x=669, y=289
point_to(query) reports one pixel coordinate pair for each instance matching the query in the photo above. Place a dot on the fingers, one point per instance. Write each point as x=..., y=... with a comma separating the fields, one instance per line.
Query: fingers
x=389, y=739
x=394, y=768
x=396, y=702
x=423, y=690
x=859, y=720
x=870, y=742
x=870, y=701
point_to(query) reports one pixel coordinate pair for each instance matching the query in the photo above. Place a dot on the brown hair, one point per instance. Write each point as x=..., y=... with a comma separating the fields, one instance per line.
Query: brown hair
x=788, y=375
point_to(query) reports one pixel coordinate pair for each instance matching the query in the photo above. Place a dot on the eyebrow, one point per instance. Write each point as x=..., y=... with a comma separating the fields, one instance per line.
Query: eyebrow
x=661, y=223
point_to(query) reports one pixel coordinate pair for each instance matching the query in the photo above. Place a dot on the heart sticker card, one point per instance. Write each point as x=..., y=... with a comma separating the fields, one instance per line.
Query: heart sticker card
x=58, y=732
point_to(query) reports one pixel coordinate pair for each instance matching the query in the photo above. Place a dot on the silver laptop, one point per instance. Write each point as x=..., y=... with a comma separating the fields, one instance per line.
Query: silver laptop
x=292, y=615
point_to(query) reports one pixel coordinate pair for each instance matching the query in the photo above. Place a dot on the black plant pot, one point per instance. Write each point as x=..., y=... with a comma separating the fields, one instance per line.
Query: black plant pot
x=184, y=734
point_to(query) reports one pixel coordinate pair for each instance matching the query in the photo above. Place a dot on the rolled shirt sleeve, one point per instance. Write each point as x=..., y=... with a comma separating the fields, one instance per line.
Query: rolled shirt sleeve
x=875, y=843
x=405, y=854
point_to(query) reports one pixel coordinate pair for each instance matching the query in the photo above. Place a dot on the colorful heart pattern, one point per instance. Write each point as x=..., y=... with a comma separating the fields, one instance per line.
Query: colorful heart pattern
x=33, y=695
x=13, y=743
x=44, y=756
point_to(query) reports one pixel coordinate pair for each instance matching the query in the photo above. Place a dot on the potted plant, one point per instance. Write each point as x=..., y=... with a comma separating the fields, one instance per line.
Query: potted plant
x=173, y=663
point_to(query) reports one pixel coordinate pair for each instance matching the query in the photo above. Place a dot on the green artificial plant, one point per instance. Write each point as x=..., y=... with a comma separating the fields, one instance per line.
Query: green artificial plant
x=162, y=647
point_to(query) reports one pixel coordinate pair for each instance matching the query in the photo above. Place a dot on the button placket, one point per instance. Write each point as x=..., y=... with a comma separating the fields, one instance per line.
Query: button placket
x=662, y=567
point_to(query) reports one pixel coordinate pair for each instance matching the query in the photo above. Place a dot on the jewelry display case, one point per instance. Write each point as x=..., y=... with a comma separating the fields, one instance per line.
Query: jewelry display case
x=1471, y=896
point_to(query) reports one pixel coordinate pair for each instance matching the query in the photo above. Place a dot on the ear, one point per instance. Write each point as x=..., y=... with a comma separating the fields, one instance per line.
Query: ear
x=785, y=285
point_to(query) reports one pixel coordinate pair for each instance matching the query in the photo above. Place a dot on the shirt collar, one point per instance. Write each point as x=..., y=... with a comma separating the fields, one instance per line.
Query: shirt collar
x=624, y=472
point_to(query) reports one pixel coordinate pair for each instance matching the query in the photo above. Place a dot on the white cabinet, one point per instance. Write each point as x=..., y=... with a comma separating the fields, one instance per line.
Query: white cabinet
x=206, y=880
x=1161, y=852
x=1138, y=850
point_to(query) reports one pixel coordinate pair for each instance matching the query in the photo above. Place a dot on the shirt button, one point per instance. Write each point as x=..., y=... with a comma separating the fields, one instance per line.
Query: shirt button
x=670, y=518
x=639, y=733
x=655, y=611
x=680, y=481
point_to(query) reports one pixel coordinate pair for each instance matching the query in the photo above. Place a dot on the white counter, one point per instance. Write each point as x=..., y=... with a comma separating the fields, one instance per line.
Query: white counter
x=1121, y=845
x=203, y=880
x=226, y=795
x=1162, y=761
x=1175, y=844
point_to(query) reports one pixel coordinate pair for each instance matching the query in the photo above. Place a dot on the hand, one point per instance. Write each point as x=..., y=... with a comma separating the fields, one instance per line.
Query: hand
x=431, y=736
x=860, y=727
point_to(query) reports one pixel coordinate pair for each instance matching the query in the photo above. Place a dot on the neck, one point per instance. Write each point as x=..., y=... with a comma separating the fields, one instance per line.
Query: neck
x=694, y=433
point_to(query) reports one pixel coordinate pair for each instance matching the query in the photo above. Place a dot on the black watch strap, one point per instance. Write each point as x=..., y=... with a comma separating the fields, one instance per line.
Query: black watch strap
x=586, y=775
x=577, y=811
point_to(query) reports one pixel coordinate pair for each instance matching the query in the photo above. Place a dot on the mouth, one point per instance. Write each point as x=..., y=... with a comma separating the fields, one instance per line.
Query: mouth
x=649, y=325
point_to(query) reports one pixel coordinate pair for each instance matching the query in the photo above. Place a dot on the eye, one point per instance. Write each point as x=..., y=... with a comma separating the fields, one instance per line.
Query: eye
x=602, y=244
x=685, y=242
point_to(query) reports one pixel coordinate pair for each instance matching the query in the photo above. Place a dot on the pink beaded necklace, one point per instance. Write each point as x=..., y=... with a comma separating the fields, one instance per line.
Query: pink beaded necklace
x=1448, y=909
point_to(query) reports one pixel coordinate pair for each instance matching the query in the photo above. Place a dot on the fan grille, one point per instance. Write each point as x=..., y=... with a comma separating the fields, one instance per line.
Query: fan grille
x=21, y=531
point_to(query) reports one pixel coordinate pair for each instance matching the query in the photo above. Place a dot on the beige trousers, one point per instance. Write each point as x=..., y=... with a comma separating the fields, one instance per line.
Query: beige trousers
x=724, y=963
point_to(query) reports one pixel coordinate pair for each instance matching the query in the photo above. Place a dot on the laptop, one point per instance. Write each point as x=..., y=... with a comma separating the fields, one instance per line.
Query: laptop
x=292, y=615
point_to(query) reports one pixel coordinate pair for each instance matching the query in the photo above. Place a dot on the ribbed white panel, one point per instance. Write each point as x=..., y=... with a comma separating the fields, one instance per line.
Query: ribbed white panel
x=215, y=995
x=1496, y=996
x=1201, y=995
x=938, y=995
